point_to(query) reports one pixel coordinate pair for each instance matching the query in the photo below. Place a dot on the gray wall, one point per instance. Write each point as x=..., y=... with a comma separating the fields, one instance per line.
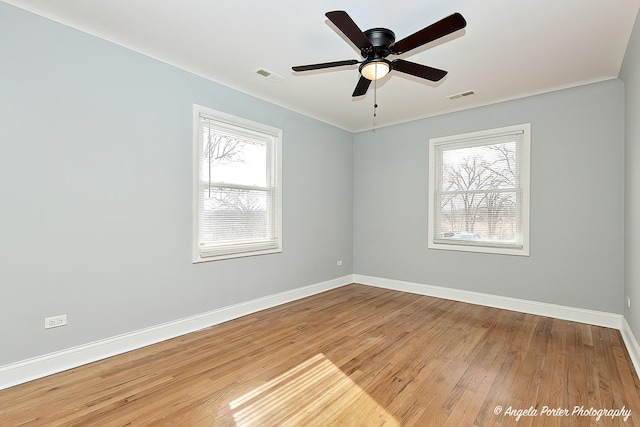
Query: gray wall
x=577, y=160
x=631, y=76
x=95, y=187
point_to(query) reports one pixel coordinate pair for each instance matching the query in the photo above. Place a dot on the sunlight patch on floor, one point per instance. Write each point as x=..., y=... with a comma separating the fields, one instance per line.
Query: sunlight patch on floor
x=315, y=392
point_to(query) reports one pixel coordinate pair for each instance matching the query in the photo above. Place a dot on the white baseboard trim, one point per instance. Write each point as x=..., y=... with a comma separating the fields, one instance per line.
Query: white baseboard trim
x=598, y=318
x=632, y=345
x=42, y=366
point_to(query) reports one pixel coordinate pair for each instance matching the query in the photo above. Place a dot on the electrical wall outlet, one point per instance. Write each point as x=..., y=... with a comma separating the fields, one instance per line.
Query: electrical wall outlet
x=55, y=321
x=629, y=302
x=339, y=263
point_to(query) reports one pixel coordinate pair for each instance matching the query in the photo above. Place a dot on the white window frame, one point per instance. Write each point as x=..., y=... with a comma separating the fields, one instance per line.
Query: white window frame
x=231, y=123
x=523, y=152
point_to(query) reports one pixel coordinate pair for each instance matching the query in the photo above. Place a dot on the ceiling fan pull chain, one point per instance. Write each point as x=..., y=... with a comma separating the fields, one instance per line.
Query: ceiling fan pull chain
x=375, y=93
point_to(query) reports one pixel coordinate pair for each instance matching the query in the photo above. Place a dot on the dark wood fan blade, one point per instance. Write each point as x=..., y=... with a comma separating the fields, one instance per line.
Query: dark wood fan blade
x=324, y=65
x=428, y=34
x=418, y=70
x=362, y=86
x=343, y=21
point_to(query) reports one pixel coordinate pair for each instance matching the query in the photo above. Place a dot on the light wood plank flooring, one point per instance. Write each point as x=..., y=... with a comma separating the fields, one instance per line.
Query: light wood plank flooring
x=356, y=355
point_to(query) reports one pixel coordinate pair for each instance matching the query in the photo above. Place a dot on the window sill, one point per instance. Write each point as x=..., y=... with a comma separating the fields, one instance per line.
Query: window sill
x=524, y=251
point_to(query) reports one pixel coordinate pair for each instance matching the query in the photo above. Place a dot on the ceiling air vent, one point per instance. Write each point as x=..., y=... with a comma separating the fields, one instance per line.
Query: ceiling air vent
x=275, y=78
x=460, y=95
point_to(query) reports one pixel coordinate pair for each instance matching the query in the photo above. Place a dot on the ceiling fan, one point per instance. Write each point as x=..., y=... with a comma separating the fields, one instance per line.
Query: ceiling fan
x=378, y=43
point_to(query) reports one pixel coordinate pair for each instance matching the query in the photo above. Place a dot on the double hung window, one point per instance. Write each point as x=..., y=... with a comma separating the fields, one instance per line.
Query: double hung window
x=237, y=187
x=479, y=191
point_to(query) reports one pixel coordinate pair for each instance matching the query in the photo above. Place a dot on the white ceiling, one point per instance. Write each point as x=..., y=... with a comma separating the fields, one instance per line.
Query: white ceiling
x=508, y=50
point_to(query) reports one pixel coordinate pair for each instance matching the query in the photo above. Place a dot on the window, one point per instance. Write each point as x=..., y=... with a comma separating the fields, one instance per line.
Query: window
x=479, y=191
x=237, y=199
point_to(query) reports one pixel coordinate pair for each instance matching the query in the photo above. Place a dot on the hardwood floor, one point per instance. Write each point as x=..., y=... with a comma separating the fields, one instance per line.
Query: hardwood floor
x=356, y=355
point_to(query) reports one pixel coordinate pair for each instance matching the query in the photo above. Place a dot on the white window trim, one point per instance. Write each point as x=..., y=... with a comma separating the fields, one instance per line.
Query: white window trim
x=525, y=152
x=249, y=127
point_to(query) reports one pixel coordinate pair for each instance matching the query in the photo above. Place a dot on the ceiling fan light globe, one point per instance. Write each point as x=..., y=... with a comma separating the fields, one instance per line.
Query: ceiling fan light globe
x=375, y=70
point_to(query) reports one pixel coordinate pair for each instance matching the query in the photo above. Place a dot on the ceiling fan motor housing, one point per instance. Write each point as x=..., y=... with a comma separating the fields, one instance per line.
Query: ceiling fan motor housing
x=381, y=39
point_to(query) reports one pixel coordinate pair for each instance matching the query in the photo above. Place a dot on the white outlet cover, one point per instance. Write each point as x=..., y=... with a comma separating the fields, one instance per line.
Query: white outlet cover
x=55, y=321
